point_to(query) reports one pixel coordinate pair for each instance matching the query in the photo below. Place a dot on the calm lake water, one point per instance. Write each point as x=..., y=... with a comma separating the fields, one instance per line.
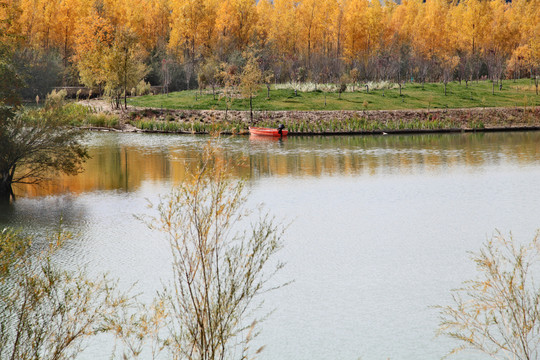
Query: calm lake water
x=380, y=226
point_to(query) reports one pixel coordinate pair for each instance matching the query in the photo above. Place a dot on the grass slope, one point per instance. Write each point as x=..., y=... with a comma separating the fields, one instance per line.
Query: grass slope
x=520, y=93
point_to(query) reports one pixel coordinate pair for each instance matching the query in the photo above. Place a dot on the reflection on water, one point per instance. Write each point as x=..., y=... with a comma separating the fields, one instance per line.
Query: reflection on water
x=381, y=226
x=125, y=161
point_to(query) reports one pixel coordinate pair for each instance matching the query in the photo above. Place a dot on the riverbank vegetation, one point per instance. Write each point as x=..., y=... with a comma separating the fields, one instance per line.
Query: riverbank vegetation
x=335, y=122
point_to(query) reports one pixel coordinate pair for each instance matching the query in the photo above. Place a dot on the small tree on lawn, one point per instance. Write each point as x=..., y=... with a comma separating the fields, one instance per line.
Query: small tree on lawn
x=250, y=81
x=229, y=80
x=354, y=75
x=268, y=79
x=448, y=65
x=209, y=72
x=343, y=80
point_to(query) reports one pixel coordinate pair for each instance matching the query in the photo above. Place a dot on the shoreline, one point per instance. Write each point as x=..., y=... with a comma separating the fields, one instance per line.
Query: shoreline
x=376, y=132
x=338, y=122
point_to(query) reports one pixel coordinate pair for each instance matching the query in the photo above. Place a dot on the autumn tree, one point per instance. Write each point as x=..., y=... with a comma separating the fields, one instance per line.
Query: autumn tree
x=235, y=23
x=448, y=65
x=67, y=19
x=193, y=25
x=472, y=17
x=150, y=21
x=284, y=28
x=355, y=29
x=123, y=65
x=265, y=11
x=354, y=75
x=309, y=15
x=250, y=81
x=268, y=78
x=325, y=37
x=94, y=39
x=520, y=62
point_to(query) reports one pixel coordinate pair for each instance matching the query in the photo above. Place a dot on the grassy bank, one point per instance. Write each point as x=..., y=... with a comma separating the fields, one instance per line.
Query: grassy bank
x=414, y=96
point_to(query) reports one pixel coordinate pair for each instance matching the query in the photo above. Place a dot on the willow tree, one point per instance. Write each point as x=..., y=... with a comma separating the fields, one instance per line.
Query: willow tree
x=498, y=312
x=218, y=272
x=35, y=146
x=45, y=312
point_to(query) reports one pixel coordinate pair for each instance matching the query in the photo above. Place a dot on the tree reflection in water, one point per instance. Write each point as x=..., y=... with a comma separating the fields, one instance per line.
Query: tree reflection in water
x=126, y=161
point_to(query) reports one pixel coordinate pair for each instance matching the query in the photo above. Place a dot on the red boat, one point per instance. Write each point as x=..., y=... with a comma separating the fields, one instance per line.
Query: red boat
x=267, y=131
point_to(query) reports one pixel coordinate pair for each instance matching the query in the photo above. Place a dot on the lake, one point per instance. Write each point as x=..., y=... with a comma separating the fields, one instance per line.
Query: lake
x=380, y=226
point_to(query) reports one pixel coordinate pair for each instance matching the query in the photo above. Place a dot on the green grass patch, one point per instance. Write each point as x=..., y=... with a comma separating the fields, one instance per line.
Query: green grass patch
x=414, y=96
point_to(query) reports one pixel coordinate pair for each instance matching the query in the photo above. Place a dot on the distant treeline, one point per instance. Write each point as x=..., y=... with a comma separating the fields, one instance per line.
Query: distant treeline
x=111, y=45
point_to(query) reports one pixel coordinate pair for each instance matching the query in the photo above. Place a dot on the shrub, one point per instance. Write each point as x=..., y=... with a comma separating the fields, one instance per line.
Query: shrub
x=498, y=312
x=143, y=88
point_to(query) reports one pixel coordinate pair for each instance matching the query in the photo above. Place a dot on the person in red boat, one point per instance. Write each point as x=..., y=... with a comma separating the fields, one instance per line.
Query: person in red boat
x=280, y=129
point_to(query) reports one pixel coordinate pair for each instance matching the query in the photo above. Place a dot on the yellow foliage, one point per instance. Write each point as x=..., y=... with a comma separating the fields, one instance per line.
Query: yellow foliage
x=356, y=31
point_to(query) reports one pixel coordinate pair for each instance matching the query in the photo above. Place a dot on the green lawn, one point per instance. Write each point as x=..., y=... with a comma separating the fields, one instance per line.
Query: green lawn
x=520, y=93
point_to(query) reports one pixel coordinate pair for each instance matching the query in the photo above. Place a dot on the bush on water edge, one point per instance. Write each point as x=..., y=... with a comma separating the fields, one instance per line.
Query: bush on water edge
x=80, y=115
x=73, y=114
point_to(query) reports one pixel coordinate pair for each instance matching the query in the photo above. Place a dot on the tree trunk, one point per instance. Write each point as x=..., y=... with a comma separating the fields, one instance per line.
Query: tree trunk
x=251, y=109
x=6, y=191
x=125, y=78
